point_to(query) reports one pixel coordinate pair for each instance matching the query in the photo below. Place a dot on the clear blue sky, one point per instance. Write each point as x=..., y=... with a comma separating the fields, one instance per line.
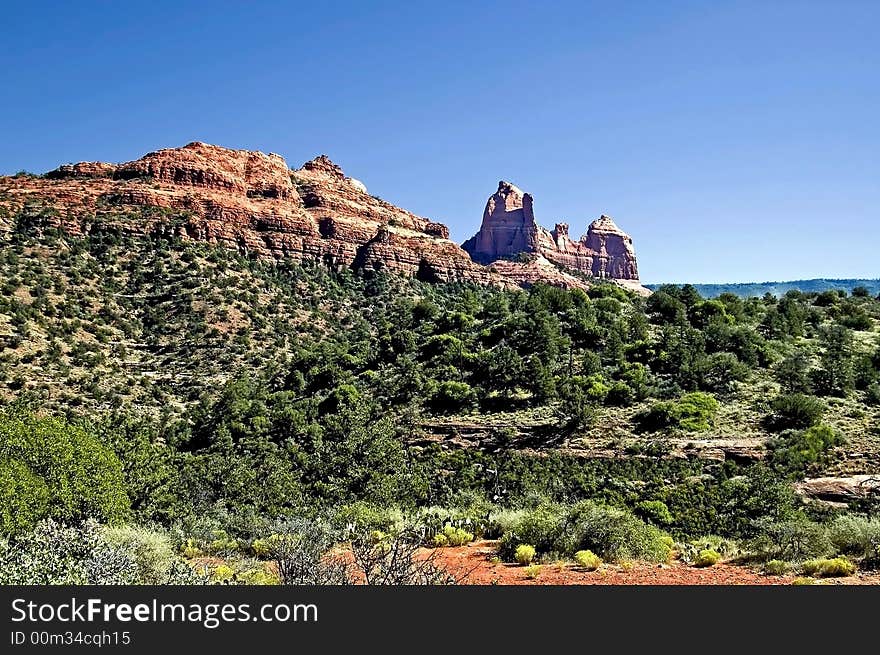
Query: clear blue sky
x=736, y=141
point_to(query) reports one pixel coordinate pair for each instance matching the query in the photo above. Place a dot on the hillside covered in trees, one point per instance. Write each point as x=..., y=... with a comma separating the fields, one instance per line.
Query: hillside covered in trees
x=181, y=393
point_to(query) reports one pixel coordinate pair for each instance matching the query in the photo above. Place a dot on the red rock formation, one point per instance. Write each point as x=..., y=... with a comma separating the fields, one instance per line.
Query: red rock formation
x=509, y=229
x=254, y=203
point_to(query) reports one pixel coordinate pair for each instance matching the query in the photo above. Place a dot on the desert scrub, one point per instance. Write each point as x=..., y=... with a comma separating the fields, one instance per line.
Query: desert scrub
x=611, y=533
x=152, y=551
x=799, y=582
x=795, y=410
x=856, y=535
x=455, y=536
x=525, y=554
x=532, y=571
x=693, y=412
x=707, y=557
x=655, y=511
x=776, y=567
x=837, y=567
x=223, y=573
x=588, y=560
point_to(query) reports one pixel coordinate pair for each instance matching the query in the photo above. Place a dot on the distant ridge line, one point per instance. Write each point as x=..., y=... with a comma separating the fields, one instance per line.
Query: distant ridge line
x=779, y=288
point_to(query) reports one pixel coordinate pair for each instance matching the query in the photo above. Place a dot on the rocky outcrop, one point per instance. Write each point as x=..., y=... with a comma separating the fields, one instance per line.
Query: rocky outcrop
x=509, y=226
x=254, y=203
x=83, y=169
x=840, y=490
x=509, y=229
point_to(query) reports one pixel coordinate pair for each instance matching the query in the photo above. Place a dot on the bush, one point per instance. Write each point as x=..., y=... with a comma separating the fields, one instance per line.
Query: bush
x=856, y=535
x=503, y=521
x=614, y=534
x=872, y=394
x=453, y=397
x=776, y=567
x=451, y=536
x=52, y=553
x=588, y=560
x=693, y=412
x=152, y=552
x=525, y=554
x=796, y=453
x=620, y=395
x=52, y=469
x=457, y=536
x=829, y=568
x=794, y=539
x=533, y=571
x=707, y=557
x=655, y=511
x=799, y=582
x=539, y=528
x=299, y=547
x=395, y=560
x=795, y=410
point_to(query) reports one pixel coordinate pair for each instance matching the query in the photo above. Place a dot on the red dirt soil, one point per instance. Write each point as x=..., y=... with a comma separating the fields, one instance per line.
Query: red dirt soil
x=472, y=565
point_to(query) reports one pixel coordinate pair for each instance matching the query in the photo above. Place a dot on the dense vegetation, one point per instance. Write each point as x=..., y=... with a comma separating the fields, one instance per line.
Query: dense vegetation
x=215, y=399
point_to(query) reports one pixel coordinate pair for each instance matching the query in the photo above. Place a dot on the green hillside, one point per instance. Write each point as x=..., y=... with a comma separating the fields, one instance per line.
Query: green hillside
x=216, y=395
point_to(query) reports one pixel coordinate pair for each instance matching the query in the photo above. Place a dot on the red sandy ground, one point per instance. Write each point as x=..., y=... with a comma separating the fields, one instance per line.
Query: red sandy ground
x=473, y=566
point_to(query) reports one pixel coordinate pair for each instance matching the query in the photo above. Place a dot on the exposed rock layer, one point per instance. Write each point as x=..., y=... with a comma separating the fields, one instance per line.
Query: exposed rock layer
x=509, y=229
x=253, y=202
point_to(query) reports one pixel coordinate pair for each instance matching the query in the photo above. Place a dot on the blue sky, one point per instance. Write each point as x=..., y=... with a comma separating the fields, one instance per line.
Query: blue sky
x=735, y=141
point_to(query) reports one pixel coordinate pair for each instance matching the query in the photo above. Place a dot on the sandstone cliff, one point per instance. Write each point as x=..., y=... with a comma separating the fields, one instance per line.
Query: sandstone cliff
x=254, y=203
x=509, y=229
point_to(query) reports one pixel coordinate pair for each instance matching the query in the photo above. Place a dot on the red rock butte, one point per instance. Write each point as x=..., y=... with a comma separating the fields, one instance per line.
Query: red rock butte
x=254, y=203
x=509, y=229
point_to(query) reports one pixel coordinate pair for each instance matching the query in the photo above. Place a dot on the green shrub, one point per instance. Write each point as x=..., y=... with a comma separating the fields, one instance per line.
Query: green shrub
x=655, y=511
x=50, y=468
x=452, y=397
x=776, y=567
x=794, y=539
x=872, y=394
x=222, y=573
x=795, y=411
x=796, y=453
x=439, y=540
x=533, y=571
x=693, y=412
x=525, y=554
x=52, y=553
x=255, y=573
x=620, y=395
x=152, y=551
x=365, y=516
x=856, y=535
x=539, y=527
x=799, y=582
x=707, y=557
x=588, y=560
x=457, y=536
x=829, y=568
x=503, y=521
x=24, y=497
x=614, y=534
